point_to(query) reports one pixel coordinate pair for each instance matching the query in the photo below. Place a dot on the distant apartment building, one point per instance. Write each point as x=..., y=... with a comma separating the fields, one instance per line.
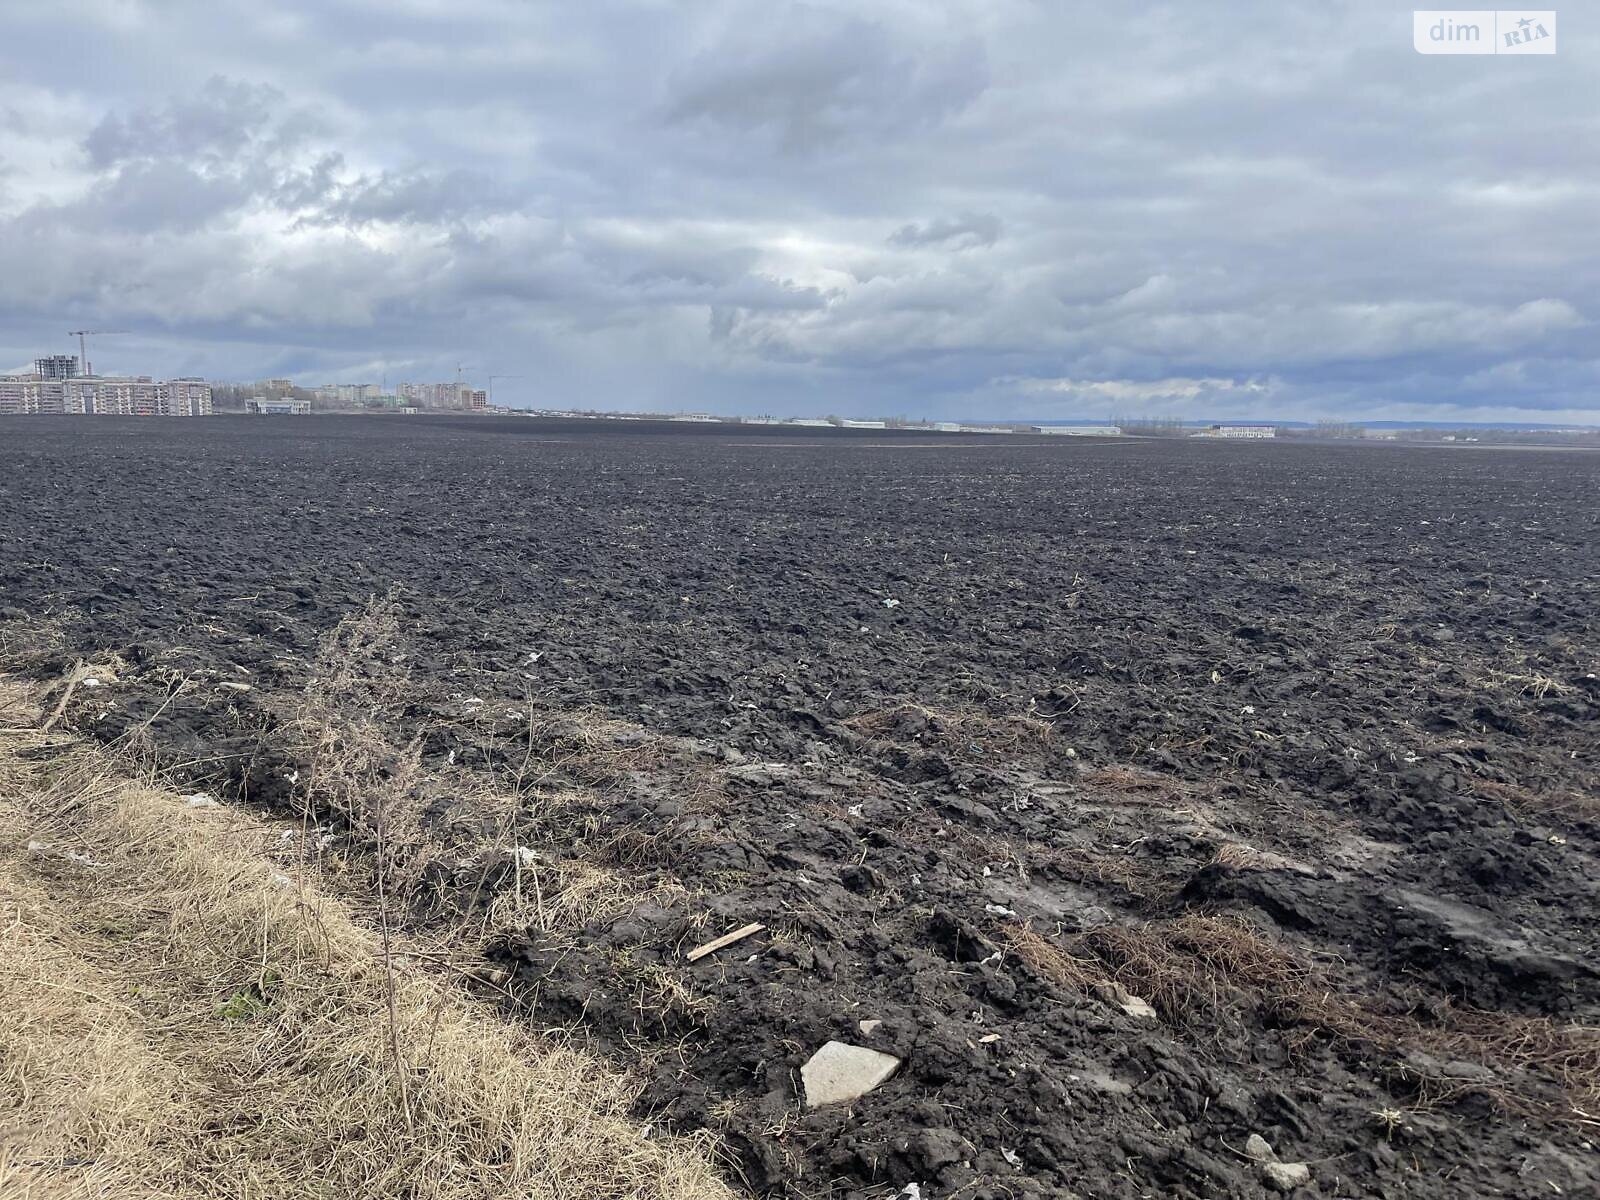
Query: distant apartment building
x=443, y=395
x=352, y=394
x=93, y=395
x=22, y=394
x=56, y=366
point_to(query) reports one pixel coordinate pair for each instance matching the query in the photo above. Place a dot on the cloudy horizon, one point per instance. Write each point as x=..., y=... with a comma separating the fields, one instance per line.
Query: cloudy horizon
x=1000, y=209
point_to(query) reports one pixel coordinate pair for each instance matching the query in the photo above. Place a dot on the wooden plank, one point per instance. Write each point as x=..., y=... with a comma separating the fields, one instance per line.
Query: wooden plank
x=726, y=939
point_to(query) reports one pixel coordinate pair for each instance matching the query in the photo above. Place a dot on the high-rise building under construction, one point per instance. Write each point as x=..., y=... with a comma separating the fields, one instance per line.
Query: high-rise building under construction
x=56, y=366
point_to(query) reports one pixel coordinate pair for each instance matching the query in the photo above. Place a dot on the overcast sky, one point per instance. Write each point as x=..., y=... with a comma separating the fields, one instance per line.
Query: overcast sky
x=1003, y=208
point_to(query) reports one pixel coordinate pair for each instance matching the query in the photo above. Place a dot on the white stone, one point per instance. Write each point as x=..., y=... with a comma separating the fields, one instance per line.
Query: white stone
x=1135, y=1006
x=1259, y=1149
x=1286, y=1176
x=840, y=1072
x=869, y=1025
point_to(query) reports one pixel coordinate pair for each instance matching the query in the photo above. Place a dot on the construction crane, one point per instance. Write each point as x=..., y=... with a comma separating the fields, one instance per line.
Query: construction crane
x=80, y=334
x=459, y=398
x=492, y=378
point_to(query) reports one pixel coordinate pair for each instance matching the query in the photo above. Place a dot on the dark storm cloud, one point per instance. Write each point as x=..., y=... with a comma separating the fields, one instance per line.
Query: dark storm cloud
x=1006, y=208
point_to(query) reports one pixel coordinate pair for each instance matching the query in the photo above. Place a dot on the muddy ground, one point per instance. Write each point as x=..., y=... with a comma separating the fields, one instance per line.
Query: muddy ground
x=997, y=737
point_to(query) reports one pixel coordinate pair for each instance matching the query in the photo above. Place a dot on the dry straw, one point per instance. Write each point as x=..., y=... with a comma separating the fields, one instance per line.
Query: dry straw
x=182, y=1014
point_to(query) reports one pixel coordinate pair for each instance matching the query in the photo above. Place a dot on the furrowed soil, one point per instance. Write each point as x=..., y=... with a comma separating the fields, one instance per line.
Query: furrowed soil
x=1141, y=796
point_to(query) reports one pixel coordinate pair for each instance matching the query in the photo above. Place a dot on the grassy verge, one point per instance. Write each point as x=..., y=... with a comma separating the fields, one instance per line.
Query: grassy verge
x=182, y=1013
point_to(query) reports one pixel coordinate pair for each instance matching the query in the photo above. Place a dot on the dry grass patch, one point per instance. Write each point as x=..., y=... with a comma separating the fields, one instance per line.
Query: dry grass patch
x=179, y=1017
x=1131, y=782
x=591, y=747
x=1198, y=968
x=1537, y=806
x=1523, y=683
x=1189, y=969
x=557, y=898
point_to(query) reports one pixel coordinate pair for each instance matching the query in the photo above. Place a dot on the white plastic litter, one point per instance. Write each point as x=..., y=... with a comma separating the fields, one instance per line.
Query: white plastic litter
x=69, y=855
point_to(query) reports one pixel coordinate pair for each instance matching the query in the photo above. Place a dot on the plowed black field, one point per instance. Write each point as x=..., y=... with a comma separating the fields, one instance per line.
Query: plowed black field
x=1299, y=744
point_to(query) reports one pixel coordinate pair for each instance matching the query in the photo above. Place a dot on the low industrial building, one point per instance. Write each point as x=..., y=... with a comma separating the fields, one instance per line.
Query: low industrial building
x=1238, y=431
x=277, y=406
